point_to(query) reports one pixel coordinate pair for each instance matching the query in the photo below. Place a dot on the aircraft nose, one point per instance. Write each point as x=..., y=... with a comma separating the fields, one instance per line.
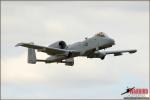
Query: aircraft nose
x=112, y=41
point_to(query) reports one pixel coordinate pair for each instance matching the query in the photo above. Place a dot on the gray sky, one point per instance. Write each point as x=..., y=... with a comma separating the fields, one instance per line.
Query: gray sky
x=46, y=22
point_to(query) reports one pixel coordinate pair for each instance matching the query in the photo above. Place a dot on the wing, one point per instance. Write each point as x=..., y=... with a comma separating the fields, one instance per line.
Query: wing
x=118, y=53
x=49, y=50
x=124, y=93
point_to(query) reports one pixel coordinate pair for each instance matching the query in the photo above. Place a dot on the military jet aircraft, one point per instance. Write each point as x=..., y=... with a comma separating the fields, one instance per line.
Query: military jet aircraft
x=128, y=90
x=60, y=52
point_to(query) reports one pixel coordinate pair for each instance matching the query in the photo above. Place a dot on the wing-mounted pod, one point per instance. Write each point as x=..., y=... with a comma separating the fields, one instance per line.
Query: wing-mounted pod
x=97, y=54
x=69, y=62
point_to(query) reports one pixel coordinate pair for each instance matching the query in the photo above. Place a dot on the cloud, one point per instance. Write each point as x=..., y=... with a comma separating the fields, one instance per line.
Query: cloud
x=17, y=70
x=56, y=79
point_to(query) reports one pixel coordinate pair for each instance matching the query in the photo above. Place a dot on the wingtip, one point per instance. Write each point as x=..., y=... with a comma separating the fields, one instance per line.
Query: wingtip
x=21, y=44
x=133, y=51
x=18, y=44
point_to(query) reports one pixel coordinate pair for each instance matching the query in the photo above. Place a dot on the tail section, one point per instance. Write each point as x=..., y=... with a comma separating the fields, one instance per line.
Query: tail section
x=31, y=56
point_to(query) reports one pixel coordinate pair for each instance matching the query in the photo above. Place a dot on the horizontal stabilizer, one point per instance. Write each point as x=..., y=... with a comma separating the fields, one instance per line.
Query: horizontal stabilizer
x=40, y=60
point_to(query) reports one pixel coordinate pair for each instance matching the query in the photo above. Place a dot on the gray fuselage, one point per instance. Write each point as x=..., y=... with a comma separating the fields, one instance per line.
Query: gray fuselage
x=91, y=44
x=86, y=47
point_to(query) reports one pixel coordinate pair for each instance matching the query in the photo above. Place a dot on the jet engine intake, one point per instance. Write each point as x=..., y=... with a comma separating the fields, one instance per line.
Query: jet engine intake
x=59, y=44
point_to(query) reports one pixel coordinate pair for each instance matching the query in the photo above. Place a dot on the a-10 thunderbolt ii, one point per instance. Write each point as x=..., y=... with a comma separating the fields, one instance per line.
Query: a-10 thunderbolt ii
x=60, y=52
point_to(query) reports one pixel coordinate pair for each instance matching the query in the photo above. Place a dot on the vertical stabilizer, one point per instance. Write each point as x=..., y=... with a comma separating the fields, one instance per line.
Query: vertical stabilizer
x=31, y=56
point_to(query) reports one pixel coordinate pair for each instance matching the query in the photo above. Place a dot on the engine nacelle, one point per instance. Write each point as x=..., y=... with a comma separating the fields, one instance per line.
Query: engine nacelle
x=59, y=44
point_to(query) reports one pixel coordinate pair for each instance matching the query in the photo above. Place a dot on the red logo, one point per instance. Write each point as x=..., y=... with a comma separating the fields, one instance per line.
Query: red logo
x=136, y=91
x=139, y=91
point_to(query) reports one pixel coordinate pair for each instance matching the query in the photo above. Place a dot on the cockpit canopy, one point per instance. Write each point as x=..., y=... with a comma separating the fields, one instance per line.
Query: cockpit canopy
x=101, y=34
